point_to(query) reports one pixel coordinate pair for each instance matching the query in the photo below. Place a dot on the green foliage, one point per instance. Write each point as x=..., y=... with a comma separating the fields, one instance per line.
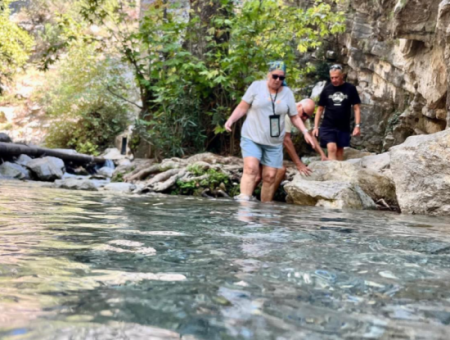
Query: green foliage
x=15, y=43
x=186, y=97
x=392, y=122
x=83, y=95
x=214, y=180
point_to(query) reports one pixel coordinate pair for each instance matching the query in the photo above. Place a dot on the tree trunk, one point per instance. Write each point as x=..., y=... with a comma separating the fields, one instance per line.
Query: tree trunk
x=10, y=149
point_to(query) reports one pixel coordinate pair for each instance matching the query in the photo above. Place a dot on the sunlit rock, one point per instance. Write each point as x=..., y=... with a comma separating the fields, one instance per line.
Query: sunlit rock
x=350, y=153
x=375, y=185
x=330, y=194
x=377, y=163
x=113, y=154
x=421, y=172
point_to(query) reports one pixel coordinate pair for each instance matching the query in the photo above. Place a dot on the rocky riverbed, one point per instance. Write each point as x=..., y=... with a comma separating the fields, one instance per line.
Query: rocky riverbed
x=413, y=177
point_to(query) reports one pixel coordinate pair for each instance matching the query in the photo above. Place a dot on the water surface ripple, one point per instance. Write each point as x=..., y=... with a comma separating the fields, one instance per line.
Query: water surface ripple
x=79, y=265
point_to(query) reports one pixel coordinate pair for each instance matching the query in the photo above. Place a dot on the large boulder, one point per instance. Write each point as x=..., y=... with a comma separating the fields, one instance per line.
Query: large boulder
x=330, y=194
x=47, y=168
x=341, y=185
x=11, y=170
x=421, y=172
x=374, y=184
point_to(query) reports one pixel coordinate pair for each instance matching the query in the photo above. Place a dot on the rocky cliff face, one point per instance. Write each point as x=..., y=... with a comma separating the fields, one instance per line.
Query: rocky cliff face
x=398, y=54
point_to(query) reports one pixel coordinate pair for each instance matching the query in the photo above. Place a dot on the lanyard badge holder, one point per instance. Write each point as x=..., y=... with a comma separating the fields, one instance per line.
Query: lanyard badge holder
x=274, y=120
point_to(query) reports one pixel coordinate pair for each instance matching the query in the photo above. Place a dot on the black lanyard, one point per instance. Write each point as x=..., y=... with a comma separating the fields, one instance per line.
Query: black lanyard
x=273, y=101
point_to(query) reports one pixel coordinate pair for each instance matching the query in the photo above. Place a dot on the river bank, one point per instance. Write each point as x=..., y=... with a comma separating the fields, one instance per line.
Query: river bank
x=413, y=177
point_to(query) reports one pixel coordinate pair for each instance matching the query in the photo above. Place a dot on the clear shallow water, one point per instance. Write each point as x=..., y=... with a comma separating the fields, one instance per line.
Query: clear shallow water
x=77, y=265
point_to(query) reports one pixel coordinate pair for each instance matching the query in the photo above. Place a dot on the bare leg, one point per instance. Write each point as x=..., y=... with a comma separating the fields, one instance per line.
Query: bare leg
x=340, y=154
x=250, y=175
x=332, y=151
x=319, y=149
x=268, y=187
x=281, y=175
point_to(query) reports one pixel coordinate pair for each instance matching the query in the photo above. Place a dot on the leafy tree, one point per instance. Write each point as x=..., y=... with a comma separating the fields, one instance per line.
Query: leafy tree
x=15, y=43
x=80, y=95
x=191, y=74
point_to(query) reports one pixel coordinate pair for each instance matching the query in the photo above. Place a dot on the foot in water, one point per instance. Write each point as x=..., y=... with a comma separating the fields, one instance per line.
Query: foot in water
x=243, y=197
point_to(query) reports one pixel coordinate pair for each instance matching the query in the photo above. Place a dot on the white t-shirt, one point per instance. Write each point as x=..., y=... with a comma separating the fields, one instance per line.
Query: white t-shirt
x=257, y=125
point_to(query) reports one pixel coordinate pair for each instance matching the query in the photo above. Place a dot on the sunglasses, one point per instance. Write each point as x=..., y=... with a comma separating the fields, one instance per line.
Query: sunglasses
x=336, y=67
x=276, y=76
x=305, y=115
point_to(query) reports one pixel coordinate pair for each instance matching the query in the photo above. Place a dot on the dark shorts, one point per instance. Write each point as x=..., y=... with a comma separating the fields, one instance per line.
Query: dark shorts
x=327, y=135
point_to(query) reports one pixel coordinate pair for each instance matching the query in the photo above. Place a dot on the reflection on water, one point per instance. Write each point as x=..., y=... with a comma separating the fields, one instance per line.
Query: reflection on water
x=77, y=265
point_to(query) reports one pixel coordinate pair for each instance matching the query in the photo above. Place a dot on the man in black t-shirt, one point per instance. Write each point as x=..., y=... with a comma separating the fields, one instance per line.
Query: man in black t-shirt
x=337, y=100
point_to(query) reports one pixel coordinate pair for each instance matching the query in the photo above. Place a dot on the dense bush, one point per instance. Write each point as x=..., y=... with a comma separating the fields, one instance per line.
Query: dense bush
x=84, y=95
x=15, y=44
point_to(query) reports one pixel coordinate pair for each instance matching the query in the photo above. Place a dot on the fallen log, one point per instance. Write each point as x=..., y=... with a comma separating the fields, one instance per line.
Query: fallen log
x=11, y=149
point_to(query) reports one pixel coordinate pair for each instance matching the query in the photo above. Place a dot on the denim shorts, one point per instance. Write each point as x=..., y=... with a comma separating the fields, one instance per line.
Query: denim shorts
x=341, y=138
x=271, y=156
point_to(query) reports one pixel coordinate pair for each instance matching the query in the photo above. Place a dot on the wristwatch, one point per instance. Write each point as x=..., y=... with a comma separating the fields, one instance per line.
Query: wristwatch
x=358, y=125
x=305, y=131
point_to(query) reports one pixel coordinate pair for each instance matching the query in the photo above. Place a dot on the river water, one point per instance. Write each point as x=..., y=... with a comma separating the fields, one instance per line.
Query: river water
x=81, y=265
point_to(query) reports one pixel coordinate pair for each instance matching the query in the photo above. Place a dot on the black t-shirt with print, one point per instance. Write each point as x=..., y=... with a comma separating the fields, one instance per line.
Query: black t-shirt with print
x=338, y=101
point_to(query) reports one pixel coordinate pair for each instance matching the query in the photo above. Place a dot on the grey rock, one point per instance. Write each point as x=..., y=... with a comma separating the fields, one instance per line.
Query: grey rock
x=12, y=170
x=331, y=194
x=47, y=168
x=75, y=183
x=421, y=172
x=106, y=172
x=377, y=163
x=372, y=184
x=350, y=153
x=120, y=187
x=23, y=160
